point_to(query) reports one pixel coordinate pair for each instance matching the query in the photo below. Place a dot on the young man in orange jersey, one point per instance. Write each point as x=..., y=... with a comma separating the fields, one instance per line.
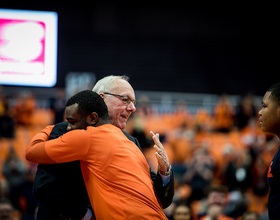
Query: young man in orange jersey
x=115, y=171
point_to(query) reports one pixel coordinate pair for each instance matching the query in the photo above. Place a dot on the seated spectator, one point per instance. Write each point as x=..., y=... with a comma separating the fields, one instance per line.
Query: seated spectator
x=57, y=105
x=182, y=212
x=138, y=131
x=7, y=123
x=259, y=173
x=245, y=111
x=4, y=188
x=24, y=108
x=181, y=140
x=199, y=174
x=237, y=204
x=22, y=197
x=224, y=114
x=250, y=216
x=6, y=210
x=216, y=203
x=13, y=170
x=237, y=172
x=203, y=120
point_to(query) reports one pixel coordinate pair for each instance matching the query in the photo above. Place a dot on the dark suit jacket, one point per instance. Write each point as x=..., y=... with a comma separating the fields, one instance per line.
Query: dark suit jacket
x=61, y=190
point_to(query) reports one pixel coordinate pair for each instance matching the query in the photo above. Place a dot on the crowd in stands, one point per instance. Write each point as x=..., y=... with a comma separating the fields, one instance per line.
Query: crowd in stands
x=223, y=149
x=20, y=120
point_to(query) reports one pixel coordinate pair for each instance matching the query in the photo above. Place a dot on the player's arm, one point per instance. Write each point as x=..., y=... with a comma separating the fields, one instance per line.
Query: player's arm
x=69, y=147
x=36, y=147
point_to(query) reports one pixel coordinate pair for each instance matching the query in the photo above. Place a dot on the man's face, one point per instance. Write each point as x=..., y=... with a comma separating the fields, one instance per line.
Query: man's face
x=6, y=211
x=270, y=115
x=182, y=213
x=119, y=112
x=75, y=120
x=216, y=198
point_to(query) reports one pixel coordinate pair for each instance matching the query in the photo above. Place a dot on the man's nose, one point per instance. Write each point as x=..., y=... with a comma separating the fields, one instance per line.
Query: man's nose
x=131, y=107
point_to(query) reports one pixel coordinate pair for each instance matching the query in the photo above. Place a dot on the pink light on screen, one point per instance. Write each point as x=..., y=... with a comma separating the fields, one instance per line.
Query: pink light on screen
x=22, y=47
x=28, y=47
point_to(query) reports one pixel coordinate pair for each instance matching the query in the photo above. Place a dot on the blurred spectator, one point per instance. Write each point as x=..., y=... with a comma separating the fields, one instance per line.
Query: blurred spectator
x=136, y=126
x=7, y=210
x=237, y=204
x=224, y=114
x=182, y=212
x=216, y=203
x=259, y=173
x=245, y=111
x=13, y=170
x=181, y=115
x=237, y=172
x=22, y=197
x=24, y=108
x=250, y=215
x=143, y=106
x=199, y=173
x=4, y=188
x=181, y=140
x=203, y=120
x=138, y=131
x=253, y=139
x=7, y=123
x=58, y=106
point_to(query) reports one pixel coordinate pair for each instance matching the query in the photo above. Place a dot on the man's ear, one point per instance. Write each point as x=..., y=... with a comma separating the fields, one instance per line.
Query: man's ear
x=94, y=118
x=278, y=111
x=102, y=95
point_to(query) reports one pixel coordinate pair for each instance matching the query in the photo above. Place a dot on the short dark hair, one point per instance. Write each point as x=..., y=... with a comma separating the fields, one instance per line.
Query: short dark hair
x=275, y=92
x=88, y=102
x=219, y=189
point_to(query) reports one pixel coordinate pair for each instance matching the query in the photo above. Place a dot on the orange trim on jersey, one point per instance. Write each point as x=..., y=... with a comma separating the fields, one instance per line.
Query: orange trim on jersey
x=269, y=174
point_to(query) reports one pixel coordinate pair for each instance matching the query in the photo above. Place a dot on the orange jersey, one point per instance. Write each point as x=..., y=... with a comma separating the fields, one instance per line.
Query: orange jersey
x=115, y=171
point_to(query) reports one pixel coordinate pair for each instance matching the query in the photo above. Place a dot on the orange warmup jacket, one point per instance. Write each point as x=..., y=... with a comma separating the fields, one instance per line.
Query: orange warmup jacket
x=115, y=171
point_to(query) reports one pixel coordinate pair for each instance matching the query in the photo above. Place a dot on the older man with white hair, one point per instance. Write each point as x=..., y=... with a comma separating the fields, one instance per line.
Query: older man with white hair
x=60, y=187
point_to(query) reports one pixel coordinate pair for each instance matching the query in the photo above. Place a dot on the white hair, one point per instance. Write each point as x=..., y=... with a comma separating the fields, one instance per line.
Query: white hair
x=107, y=83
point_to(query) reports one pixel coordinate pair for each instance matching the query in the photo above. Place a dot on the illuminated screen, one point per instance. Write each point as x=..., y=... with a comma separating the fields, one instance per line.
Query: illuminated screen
x=28, y=48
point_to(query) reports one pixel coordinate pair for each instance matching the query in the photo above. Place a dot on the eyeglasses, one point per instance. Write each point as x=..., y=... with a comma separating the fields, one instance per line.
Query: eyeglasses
x=124, y=99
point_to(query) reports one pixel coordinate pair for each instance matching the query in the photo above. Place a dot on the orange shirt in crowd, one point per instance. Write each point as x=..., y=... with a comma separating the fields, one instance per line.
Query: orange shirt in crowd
x=224, y=115
x=24, y=110
x=115, y=171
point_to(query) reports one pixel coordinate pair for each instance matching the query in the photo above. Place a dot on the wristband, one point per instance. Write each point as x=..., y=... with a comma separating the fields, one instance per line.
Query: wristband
x=167, y=172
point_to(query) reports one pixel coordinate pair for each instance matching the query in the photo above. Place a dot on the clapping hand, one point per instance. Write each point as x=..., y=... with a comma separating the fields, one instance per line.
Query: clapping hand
x=161, y=155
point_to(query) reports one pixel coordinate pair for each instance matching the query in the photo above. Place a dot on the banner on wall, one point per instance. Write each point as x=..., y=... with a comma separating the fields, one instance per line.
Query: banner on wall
x=28, y=48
